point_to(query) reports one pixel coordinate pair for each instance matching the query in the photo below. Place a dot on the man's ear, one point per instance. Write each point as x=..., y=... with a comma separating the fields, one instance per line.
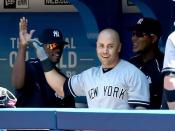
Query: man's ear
x=154, y=38
x=120, y=46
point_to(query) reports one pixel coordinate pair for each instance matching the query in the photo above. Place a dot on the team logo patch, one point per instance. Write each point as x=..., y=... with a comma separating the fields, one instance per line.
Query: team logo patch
x=56, y=33
x=140, y=21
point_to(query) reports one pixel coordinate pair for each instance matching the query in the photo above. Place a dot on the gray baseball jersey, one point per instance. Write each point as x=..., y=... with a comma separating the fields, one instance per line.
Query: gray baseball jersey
x=115, y=89
x=169, y=59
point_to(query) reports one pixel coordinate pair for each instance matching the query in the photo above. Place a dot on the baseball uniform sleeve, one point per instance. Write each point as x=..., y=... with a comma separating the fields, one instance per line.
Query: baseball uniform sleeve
x=138, y=89
x=75, y=85
x=169, y=59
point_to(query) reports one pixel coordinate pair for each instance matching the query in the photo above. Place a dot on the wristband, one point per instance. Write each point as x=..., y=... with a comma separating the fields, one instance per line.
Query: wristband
x=170, y=95
x=47, y=65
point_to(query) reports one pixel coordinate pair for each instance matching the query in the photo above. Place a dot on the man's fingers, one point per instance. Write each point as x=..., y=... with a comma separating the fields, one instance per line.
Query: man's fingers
x=23, y=25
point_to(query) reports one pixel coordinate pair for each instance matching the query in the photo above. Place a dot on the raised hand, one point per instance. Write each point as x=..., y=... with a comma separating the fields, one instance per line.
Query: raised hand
x=24, y=36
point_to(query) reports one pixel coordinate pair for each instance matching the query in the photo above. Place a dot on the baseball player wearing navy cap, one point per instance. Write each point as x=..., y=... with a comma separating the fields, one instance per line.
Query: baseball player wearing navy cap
x=169, y=71
x=145, y=39
x=32, y=89
x=116, y=84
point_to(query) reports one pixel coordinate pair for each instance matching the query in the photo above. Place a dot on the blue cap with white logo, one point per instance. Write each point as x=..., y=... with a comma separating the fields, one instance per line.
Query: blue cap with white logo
x=147, y=25
x=49, y=36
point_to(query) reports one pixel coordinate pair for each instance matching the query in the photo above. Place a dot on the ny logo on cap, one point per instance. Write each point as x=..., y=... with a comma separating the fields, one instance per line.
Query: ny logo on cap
x=140, y=21
x=56, y=33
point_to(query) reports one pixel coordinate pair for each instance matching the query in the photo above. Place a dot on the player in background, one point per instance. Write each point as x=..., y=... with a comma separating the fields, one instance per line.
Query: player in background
x=32, y=89
x=116, y=84
x=145, y=44
x=169, y=71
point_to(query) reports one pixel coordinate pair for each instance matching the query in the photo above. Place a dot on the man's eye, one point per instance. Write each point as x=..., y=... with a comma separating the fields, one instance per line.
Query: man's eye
x=100, y=46
x=110, y=46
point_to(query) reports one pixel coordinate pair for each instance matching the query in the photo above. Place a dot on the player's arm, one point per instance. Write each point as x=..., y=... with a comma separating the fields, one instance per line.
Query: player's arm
x=56, y=81
x=18, y=72
x=169, y=71
x=140, y=108
x=169, y=89
x=138, y=93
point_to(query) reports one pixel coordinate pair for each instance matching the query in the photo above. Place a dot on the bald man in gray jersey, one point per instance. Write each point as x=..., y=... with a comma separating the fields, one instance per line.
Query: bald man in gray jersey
x=116, y=84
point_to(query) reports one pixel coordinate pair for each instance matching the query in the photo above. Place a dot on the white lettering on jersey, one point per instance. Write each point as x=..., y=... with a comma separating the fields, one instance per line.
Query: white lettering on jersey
x=93, y=93
x=114, y=92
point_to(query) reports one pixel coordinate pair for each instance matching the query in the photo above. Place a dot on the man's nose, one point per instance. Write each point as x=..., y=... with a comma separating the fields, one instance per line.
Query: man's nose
x=106, y=50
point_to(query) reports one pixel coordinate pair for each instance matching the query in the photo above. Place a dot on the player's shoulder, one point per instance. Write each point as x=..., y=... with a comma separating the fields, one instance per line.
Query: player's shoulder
x=92, y=70
x=172, y=36
x=33, y=61
x=135, y=58
x=126, y=63
x=129, y=67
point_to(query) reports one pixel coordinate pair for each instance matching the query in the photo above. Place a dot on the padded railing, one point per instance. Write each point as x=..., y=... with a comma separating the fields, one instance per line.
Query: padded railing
x=87, y=119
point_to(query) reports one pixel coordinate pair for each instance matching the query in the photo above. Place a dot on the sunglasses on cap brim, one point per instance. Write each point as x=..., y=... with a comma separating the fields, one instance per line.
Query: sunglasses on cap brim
x=52, y=46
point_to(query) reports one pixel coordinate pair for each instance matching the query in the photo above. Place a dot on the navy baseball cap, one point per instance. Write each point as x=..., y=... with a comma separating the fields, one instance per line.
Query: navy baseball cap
x=49, y=36
x=147, y=25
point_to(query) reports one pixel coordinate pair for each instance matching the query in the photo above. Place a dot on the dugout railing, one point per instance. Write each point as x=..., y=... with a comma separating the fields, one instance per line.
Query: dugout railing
x=86, y=119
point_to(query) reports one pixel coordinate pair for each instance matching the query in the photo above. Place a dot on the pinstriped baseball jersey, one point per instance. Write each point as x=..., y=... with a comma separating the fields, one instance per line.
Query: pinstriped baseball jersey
x=169, y=59
x=115, y=89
